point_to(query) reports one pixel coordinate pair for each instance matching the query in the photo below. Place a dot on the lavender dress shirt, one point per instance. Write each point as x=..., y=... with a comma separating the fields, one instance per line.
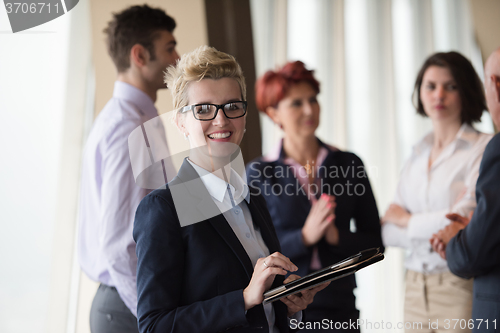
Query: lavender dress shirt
x=109, y=195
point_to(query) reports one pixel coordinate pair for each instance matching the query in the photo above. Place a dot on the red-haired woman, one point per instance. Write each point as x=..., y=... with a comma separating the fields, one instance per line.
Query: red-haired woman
x=316, y=194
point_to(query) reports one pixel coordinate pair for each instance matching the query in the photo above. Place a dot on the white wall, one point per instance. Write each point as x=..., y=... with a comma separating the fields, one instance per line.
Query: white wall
x=41, y=109
x=32, y=73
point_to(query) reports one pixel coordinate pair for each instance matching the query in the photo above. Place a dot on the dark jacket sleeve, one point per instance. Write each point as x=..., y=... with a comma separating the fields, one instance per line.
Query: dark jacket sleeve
x=160, y=277
x=365, y=215
x=475, y=250
x=260, y=176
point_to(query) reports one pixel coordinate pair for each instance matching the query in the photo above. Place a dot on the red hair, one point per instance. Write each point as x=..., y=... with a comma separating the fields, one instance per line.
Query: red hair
x=273, y=86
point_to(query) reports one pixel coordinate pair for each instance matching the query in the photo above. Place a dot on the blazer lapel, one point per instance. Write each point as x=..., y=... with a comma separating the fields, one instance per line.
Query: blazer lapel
x=259, y=220
x=203, y=202
x=272, y=242
x=220, y=224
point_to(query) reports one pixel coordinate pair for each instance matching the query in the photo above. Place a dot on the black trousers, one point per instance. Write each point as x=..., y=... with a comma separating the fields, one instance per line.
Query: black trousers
x=109, y=314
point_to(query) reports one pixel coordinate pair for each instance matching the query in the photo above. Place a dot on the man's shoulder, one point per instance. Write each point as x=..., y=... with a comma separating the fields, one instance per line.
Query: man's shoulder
x=119, y=112
x=492, y=148
x=495, y=141
x=117, y=120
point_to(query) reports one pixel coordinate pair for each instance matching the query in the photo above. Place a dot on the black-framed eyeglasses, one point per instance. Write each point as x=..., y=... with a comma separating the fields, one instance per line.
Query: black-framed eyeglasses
x=205, y=112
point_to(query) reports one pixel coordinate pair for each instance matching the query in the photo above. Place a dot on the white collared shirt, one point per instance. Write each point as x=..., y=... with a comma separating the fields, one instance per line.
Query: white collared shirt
x=448, y=187
x=109, y=195
x=234, y=206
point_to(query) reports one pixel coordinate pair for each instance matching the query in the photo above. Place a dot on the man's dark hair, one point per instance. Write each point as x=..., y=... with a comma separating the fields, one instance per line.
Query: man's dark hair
x=469, y=85
x=135, y=25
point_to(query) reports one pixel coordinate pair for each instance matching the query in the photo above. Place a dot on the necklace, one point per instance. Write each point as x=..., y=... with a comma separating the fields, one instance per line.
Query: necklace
x=308, y=168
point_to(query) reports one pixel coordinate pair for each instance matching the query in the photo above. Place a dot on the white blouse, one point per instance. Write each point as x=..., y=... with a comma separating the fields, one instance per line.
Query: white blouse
x=448, y=187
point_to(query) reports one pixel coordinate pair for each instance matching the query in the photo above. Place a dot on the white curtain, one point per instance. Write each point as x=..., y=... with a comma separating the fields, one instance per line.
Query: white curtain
x=366, y=54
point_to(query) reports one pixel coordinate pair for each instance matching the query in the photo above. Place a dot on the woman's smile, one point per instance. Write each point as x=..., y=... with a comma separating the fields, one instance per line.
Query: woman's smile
x=220, y=136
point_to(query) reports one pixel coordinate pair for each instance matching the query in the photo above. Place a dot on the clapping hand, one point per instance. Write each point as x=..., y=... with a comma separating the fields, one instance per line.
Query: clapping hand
x=440, y=240
x=320, y=220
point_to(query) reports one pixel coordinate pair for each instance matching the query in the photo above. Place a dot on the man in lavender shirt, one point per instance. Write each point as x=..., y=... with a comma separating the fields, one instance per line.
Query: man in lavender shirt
x=141, y=45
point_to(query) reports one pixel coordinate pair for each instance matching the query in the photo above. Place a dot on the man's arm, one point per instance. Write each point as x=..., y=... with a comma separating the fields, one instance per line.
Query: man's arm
x=120, y=198
x=475, y=250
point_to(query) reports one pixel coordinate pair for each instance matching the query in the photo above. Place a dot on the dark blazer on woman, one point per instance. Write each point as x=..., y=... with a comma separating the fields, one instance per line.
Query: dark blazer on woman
x=475, y=251
x=191, y=278
x=289, y=211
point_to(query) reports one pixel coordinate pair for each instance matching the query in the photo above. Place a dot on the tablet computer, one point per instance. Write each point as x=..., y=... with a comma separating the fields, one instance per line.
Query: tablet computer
x=336, y=271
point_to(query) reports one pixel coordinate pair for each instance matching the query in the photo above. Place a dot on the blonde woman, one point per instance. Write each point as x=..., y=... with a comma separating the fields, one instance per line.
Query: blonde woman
x=206, y=247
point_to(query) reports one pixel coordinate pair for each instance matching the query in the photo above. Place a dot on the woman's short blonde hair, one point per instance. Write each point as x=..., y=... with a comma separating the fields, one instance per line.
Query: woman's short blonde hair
x=203, y=63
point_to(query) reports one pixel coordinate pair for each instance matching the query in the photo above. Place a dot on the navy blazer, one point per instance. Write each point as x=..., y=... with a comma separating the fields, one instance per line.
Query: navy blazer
x=191, y=278
x=475, y=251
x=289, y=211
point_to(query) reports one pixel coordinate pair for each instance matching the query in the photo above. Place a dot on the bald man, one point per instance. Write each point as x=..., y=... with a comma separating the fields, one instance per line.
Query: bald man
x=472, y=248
